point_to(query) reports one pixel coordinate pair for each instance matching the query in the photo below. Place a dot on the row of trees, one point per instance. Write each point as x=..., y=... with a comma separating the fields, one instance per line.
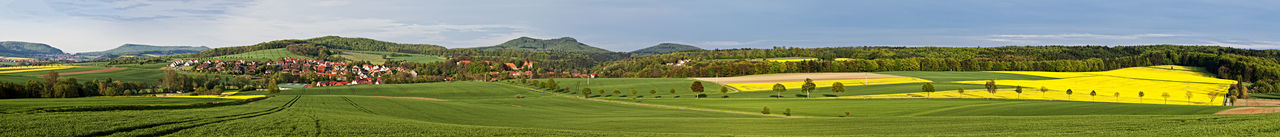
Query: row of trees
x=53, y=87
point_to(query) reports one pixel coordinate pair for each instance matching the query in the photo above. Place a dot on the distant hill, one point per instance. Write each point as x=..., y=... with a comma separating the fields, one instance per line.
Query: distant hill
x=327, y=42
x=143, y=50
x=561, y=44
x=26, y=49
x=665, y=48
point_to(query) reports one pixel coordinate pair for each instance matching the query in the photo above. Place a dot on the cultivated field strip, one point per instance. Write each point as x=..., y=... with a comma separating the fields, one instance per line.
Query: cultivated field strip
x=357, y=106
x=165, y=128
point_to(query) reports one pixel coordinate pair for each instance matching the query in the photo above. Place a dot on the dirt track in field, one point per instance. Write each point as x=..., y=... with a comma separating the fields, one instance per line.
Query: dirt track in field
x=1258, y=106
x=88, y=72
x=796, y=77
x=422, y=98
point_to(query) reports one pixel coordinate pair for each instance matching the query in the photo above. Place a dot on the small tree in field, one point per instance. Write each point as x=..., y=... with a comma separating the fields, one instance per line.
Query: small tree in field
x=1019, y=91
x=1166, y=97
x=1189, y=96
x=779, y=88
x=766, y=110
x=1117, y=96
x=673, y=91
x=1093, y=95
x=1069, y=94
x=808, y=87
x=1140, y=95
x=652, y=92
x=961, y=91
x=991, y=88
x=724, y=90
x=788, y=112
x=586, y=92
x=617, y=92
x=1043, y=91
x=600, y=91
x=696, y=88
x=633, y=92
x=837, y=87
x=927, y=88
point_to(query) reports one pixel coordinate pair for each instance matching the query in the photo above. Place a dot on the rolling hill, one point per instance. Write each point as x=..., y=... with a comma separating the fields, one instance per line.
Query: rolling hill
x=142, y=50
x=561, y=44
x=328, y=42
x=26, y=49
x=665, y=48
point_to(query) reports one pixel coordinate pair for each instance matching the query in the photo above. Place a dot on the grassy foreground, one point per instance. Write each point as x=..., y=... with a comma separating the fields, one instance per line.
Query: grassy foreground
x=491, y=109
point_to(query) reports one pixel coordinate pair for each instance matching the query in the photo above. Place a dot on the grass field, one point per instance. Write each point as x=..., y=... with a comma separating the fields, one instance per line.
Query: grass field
x=641, y=85
x=261, y=55
x=490, y=109
x=30, y=105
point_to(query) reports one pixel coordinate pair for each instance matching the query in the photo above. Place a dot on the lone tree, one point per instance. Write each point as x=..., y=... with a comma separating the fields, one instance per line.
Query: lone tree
x=1166, y=97
x=616, y=91
x=696, y=88
x=586, y=92
x=551, y=84
x=991, y=88
x=1189, y=97
x=651, y=92
x=779, y=88
x=1093, y=95
x=1043, y=91
x=673, y=91
x=808, y=87
x=837, y=87
x=1068, y=94
x=927, y=88
x=1117, y=96
x=766, y=110
x=272, y=86
x=788, y=112
x=633, y=92
x=724, y=90
x=1018, y=89
x=961, y=91
x=1140, y=95
x=1214, y=96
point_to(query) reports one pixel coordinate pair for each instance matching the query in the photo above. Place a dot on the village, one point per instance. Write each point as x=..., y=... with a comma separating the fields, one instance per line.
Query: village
x=340, y=73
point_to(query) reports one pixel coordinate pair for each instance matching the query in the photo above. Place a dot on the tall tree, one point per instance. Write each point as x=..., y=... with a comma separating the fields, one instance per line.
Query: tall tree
x=586, y=92
x=837, y=88
x=991, y=88
x=1069, y=94
x=696, y=88
x=1166, y=97
x=1018, y=89
x=779, y=88
x=927, y=88
x=1140, y=95
x=1093, y=95
x=808, y=87
x=1117, y=95
x=50, y=79
x=1043, y=91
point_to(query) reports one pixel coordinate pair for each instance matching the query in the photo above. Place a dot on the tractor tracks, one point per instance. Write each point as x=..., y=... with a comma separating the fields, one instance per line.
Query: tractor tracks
x=353, y=104
x=166, y=128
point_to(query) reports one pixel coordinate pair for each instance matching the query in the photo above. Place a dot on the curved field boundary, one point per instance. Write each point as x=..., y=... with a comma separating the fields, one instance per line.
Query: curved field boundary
x=127, y=131
x=1258, y=106
x=650, y=105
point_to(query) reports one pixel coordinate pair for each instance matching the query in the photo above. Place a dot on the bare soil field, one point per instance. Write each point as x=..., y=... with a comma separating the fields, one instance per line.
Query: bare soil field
x=793, y=77
x=1260, y=106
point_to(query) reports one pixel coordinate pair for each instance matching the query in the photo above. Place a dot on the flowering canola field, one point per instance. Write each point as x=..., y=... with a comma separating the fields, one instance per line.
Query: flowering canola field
x=827, y=83
x=6, y=70
x=1157, y=85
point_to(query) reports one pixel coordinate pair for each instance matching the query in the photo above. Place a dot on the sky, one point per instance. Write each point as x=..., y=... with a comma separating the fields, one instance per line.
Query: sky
x=89, y=25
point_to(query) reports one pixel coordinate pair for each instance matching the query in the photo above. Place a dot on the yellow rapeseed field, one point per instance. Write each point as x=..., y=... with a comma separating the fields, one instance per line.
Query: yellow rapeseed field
x=32, y=68
x=827, y=83
x=1158, y=85
x=223, y=97
x=793, y=60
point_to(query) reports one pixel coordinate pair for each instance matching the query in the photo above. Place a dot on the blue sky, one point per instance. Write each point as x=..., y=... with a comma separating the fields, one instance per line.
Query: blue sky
x=79, y=26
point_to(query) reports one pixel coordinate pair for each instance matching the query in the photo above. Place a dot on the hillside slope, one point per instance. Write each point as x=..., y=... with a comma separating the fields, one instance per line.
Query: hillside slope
x=328, y=42
x=26, y=49
x=561, y=44
x=140, y=49
x=665, y=48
